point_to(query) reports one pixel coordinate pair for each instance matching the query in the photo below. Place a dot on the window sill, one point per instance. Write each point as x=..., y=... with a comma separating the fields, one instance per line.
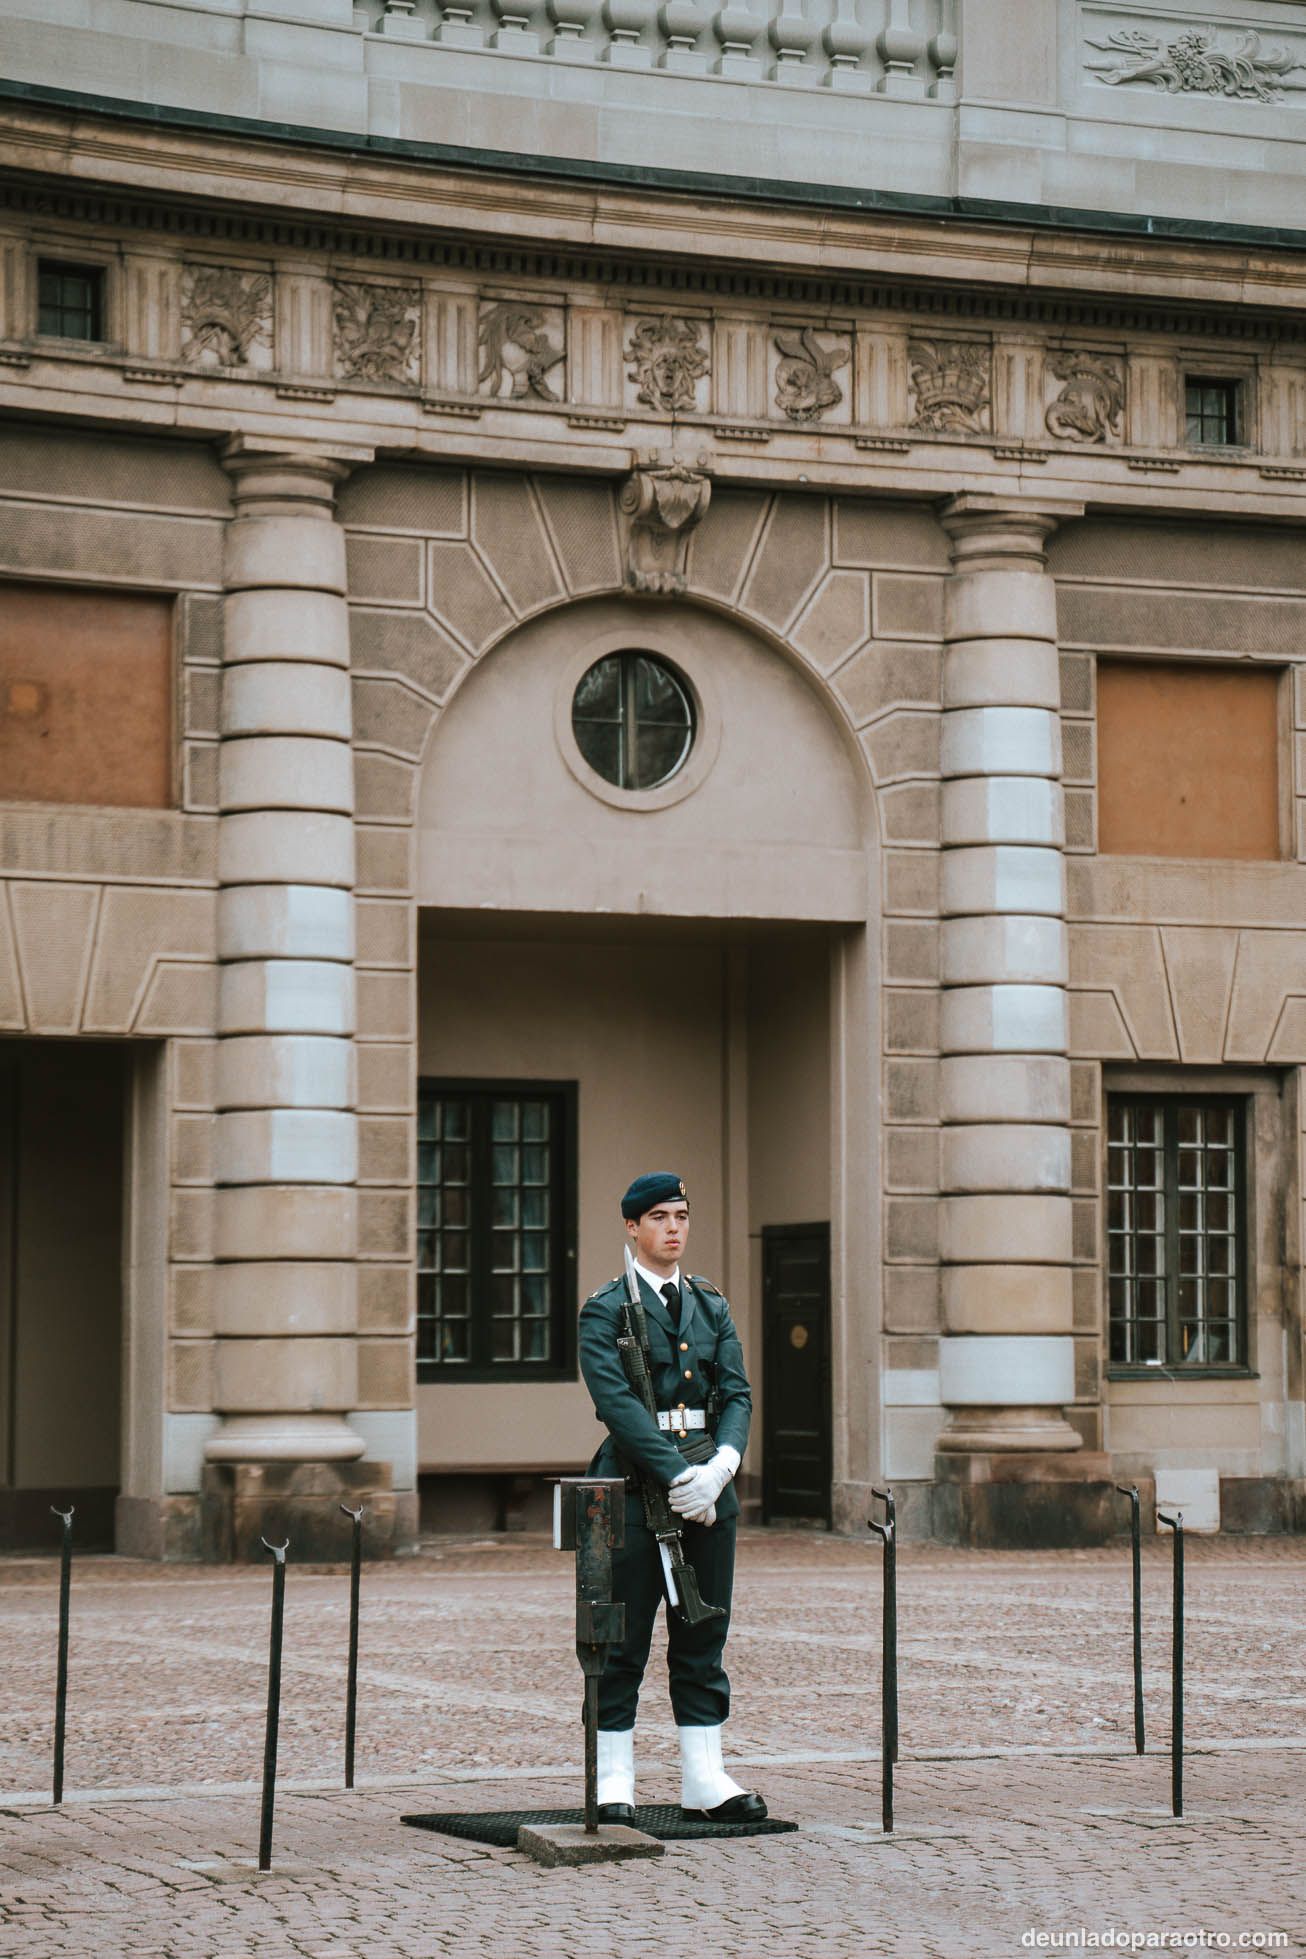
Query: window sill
x=430, y=1374
x=1176, y=1375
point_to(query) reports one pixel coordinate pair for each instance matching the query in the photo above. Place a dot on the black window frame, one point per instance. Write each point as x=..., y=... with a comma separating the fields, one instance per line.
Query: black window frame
x=1229, y=418
x=71, y=269
x=1172, y=1104
x=628, y=722
x=481, y=1091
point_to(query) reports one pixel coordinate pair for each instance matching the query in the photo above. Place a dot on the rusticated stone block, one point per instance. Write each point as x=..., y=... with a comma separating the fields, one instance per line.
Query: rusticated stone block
x=463, y=595
x=508, y=532
x=836, y=620
x=868, y=532
x=911, y=1159
x=911, y=1021
x=190, y=1376
x=582, y=521
x=911, y=1091
x=387, y=714
x=911, y=1299
x=911, y=950
x=385, y=1296
x=385, y=1374
x=385, y=569
x=883, y=677
x=385, y=1149
x=794, y=552
x=908, y=606
x=383, y=787
x=910, y=812
x=201, y=694
x=911, y=881
x=384, y=1224
x=386, y=1076
x=903, y=744
x=723, y=543
x=411, y=644
x=911, y=1228
x=384, y=932
x=383, y=860
x=385, y=1006
x=395, y=497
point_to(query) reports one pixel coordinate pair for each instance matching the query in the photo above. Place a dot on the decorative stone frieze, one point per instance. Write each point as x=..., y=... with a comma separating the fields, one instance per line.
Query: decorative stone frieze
x=517, y=353
x=1092, y=398
x=1195, y=64
x=950, y=385
x=376, y=331
x=668, y=359
x=805, y=386
x=226, y=316
x=659, y=509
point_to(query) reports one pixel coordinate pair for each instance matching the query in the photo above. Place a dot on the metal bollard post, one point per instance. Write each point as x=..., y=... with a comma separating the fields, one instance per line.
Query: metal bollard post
x=1176, y=1524
x=61, y=1681
x=351, y=1693
x=590, y=1518
x=1132, y=1493
x=274, y=1702
x=887, y=1532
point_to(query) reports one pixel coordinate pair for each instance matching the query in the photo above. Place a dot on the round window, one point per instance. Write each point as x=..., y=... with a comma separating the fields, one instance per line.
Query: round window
x=633, y=720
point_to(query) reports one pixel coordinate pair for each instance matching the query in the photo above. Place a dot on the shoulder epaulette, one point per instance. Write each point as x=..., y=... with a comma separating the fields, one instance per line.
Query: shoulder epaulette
x=697, y=1279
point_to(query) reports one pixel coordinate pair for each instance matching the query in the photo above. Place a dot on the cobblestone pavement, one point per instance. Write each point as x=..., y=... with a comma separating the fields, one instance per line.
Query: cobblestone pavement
x=1022, y=1811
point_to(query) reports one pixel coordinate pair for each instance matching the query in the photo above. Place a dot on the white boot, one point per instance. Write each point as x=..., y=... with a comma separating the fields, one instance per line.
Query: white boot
x=616, y=1776
x=705, y=1788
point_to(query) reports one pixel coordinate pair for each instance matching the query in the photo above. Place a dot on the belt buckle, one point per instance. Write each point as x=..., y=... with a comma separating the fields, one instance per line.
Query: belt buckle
x=684, y=1429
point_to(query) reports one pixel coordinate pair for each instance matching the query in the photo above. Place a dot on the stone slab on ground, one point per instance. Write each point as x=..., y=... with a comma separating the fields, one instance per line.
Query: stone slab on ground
x=565, y=1845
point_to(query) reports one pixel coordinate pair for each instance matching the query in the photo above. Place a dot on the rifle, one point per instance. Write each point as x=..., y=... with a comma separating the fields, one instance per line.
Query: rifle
x=678, y=1574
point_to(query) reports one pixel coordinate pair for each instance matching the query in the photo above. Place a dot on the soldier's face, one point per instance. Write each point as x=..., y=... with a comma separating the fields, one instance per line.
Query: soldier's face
x=658, y=1239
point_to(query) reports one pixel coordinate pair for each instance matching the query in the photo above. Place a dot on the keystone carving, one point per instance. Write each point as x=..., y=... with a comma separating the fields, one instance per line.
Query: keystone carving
x=804, y=379
x=375, y=331
x=226, y=316
x=668, y=359
x=1192, y=64
x=951, y=383
x=1089, y=407
x=659, y=509
x=516, y=352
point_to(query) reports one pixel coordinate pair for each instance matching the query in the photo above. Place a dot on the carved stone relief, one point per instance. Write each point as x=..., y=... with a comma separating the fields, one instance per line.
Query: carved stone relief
x=1194, y=64
x=668, y=360
x=950, y=385
x=520, y=347
x=1092, y=397
x=376, y=331
x=226, y=316
x=805, y=387
x=659, y=508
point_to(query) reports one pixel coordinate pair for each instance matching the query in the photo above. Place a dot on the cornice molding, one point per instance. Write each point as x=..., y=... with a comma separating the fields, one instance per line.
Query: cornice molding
x=77, y=158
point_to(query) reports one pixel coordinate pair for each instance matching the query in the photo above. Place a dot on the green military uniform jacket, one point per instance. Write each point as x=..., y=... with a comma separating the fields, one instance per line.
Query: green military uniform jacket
x=706, y=1337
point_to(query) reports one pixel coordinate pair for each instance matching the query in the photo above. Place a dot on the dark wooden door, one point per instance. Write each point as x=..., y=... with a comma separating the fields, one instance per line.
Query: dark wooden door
x=796, y=1371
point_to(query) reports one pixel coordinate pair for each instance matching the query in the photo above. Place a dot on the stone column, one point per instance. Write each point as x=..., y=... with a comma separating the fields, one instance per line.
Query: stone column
x=1007, y=1356
x=286, y=1147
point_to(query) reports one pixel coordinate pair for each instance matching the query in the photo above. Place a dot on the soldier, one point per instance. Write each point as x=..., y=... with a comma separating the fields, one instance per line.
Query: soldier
x=703, y=1403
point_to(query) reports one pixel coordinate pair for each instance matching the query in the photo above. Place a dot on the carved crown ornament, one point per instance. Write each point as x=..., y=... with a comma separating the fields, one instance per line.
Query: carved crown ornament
x=950, y=383
x=660, y=505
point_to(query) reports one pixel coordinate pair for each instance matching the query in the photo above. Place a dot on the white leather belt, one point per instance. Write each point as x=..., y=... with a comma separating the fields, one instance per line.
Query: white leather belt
x=682, y=1418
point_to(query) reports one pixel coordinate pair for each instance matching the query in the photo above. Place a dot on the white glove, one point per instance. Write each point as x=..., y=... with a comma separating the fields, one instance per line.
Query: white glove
x=695, y=1491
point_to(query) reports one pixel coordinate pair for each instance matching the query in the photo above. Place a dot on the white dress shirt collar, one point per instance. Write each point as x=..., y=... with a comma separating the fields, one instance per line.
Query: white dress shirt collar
x=652, y=1279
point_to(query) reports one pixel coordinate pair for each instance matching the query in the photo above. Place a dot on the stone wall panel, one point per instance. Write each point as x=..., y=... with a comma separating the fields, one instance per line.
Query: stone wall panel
x=429, y=502
x=881, y=677
x=722, y=547
x=464, y=596
x=508, y=532
x=1199, y=965
x=54, y=935
x=835, y=621
x=385, y=570
x=411, y=644
x=388, y=714
x=793, y=553
x=1127, y=962
x=110, y=546
x=138, y=928
x=582, y=522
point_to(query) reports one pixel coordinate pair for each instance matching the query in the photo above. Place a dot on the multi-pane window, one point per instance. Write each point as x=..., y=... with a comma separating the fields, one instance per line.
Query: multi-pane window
x=1211, y=412
x=70, y=300
x=495, y=1231
x=633, y=720
x=1176, y=1242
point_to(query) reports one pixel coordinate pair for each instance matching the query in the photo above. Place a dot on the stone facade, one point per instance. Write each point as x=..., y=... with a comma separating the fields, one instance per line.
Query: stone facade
x=407, y=438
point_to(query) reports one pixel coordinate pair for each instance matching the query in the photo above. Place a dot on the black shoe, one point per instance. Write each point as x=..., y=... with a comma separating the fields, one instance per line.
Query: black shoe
x=616, y=1812
x=746, y=1808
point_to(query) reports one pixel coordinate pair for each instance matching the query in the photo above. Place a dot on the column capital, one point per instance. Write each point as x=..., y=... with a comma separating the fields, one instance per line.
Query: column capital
x=988, y=531
x=276, y=478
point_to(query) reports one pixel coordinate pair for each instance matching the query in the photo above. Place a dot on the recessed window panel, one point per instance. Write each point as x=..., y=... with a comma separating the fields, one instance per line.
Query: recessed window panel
x=70, y=300
x=1176, y=1250
x=633, y=719
x=1210, y=412
x=495, y=1242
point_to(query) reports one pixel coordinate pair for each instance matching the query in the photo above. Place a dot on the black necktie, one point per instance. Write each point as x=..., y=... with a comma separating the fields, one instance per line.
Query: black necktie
x=671, y=1293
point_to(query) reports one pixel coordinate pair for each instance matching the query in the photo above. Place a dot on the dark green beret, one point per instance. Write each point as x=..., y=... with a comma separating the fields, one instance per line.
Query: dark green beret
x=653, y=1188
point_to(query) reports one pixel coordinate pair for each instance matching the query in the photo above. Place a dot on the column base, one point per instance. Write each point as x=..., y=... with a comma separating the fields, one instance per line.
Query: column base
x=241, y=1503
x=971, y=1430
x=284, y=1438
x=1029, y=1500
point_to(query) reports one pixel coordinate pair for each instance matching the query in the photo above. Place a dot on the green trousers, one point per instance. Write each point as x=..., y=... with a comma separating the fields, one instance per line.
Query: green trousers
x=700, y=1689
